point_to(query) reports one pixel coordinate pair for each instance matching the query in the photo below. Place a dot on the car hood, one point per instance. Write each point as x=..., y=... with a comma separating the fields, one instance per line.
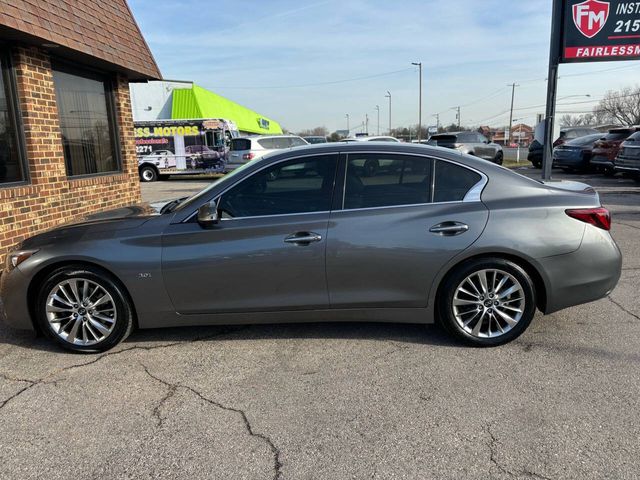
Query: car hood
x=105, y=223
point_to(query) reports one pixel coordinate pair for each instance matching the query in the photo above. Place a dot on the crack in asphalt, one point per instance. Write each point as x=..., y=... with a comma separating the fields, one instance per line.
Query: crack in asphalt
x=628, y=225
x=43, y=380
x=277, y=463
x=637, y=317
x=493, y=441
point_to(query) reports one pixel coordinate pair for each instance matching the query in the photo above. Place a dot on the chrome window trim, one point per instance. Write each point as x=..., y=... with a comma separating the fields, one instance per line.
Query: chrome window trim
x=473, y=195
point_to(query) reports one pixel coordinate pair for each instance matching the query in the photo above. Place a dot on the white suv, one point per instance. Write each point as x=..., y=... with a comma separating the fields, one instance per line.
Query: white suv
x=244, y=149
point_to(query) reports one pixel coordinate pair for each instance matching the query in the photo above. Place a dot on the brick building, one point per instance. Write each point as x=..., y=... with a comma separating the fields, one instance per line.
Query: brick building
x=66, y=131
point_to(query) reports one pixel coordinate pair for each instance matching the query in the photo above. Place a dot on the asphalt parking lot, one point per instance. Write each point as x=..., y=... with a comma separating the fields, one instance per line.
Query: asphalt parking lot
x=327, y=401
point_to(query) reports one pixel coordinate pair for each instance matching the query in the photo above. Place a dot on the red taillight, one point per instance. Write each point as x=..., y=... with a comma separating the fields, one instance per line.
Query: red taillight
x=598, y=217
x=248, y=156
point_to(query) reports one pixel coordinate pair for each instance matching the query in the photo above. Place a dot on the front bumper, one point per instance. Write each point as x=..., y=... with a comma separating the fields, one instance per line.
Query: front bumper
x=588, y=274
x=14, y=308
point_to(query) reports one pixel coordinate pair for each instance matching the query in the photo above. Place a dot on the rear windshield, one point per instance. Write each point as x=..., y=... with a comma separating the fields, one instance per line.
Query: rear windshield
x=617, y=135
x=240, y=144
x=442, y=139
x=584, y=141
x=634, y=138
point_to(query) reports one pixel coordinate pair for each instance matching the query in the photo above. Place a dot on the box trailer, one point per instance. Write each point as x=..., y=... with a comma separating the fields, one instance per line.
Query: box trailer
x=183, y=147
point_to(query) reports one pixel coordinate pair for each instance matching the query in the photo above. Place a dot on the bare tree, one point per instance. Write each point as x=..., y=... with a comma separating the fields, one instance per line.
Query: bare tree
x=622, y=106
x=314, y=132
x=571, y=121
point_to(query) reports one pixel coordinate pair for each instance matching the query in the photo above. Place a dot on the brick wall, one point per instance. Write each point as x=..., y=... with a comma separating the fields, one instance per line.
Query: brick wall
x=50, y=197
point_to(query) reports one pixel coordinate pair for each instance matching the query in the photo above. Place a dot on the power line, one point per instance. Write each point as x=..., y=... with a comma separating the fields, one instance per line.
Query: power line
x=334, y=82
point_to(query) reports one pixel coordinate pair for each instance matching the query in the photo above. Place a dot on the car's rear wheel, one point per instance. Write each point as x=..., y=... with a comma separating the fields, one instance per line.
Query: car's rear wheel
x=487, y=302
x=537, y=164
x=148, y=174
x=84, y=309
x=499, y=158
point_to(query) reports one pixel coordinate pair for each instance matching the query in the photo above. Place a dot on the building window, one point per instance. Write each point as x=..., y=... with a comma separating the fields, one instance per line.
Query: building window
x=11, y=158
x=87, y=120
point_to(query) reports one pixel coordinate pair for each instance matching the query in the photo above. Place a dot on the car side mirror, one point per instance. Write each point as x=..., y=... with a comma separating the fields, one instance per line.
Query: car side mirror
x=208, y=215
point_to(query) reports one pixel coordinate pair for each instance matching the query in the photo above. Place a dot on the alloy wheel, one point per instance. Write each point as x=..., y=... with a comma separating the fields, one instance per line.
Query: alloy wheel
x=488, y=303
x=81, y=312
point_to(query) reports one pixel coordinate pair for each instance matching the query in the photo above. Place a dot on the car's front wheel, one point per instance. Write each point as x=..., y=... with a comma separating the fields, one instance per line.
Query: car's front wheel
x=499, y=158
x=487, y=302
x=84, y=309
x=148, y=174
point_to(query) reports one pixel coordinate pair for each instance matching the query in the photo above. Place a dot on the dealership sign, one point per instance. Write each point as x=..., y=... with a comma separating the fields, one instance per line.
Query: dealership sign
x=600, y=30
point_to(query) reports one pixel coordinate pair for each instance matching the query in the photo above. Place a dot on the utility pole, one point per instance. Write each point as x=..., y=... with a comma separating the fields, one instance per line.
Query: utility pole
x=437, y=115
x=513, y=95
x=457, y=109
x=366, y=123
x=348, y=129
x=419, y=65
x=388, y=95
x=378, y=129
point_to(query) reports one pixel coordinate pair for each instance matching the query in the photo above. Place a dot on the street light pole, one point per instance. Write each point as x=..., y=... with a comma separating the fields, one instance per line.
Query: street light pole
x=513, y=95
x=348, y=129
x=388, y=95
x=419, y=65
x=366, y=123
x=378, y=110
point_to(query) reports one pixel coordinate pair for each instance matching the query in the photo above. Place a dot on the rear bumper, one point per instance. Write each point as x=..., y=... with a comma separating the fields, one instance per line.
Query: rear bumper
x=14, y=308
x=588, y=274
x=601, y=161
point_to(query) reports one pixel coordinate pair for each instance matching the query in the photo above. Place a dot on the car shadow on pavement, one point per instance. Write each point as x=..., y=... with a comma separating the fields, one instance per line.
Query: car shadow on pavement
x=149, y=338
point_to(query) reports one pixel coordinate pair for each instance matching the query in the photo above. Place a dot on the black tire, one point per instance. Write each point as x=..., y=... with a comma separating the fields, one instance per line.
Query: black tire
x=609, y=172
x=148, y=173
x=537, y=164
x=121, y=303
x=499, y=159
x=446, y=316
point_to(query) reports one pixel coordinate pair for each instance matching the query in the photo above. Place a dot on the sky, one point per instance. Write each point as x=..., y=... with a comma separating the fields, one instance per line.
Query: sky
x=309, y=64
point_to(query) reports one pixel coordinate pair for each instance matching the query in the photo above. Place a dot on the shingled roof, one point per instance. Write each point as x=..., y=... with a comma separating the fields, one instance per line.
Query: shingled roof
x=101, y=30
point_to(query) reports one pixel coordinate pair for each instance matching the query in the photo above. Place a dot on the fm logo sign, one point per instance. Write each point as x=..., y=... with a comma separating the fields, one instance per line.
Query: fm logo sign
x=590, y=17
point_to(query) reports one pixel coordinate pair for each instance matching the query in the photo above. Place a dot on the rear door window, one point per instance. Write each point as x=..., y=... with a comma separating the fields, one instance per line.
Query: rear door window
x=452, y=182
x=297, y=142
x=267, y=143
x=386, y=180
x=280, y=143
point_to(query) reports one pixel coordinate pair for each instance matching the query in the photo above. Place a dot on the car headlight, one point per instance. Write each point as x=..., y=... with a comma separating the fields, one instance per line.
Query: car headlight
x=16, y=258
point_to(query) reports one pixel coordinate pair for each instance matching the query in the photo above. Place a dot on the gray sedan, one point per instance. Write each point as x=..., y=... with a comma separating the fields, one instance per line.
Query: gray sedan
x=442, y=236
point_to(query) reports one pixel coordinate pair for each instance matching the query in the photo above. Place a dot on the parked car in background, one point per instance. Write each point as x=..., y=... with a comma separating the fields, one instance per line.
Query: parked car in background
x=566, y=134
x=244, y=149
x=436, y=243
x=316, y=139
x=202, y=157
x=628, y=159
x=365, y=138
x=575, y=154
x=607, y=148
x=471, y=143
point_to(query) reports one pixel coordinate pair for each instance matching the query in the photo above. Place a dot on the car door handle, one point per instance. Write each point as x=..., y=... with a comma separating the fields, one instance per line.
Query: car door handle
x=449, y=229
x=303, y=238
